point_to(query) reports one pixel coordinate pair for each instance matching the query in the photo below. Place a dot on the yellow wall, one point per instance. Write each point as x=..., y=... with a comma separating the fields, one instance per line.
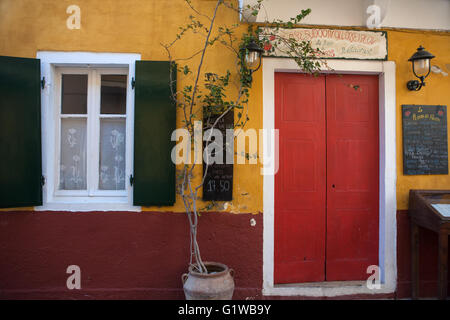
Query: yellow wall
x=139, y=26
x=135, y=26
x=402, y=44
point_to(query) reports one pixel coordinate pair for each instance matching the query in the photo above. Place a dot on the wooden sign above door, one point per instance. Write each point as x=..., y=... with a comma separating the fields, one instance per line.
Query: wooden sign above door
x=332, y=43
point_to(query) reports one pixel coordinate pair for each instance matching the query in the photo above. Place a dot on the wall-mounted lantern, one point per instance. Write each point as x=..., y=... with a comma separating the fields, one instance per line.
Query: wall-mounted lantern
x=253, y=56
x=421, y=68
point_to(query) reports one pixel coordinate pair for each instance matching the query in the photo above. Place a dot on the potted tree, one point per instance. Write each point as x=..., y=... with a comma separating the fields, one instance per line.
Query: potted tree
x=204, y=94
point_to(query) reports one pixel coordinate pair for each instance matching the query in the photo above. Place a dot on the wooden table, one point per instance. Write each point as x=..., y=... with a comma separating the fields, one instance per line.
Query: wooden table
x=427, y=209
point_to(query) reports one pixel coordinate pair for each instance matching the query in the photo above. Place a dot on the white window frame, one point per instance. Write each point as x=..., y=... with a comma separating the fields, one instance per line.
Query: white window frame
x=53, y=64
x=93, y=130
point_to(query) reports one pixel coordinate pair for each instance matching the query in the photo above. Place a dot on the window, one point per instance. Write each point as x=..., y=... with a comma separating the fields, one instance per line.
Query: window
x=74, y=129
x=91, y=132
x=88, y=130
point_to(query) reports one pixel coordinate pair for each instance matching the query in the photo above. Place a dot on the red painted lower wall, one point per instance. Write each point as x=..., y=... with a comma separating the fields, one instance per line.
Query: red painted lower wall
x=128, y=255
x=124, y=255
x=428, y=263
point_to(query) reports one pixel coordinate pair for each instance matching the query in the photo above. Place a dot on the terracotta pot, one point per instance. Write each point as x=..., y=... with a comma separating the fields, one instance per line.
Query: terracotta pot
x=217, y=284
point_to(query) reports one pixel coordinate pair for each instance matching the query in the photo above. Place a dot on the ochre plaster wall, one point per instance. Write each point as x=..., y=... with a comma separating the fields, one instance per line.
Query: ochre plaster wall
x=140, y=26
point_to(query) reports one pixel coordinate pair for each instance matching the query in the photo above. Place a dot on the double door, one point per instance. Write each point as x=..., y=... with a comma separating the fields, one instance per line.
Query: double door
x=327, y=185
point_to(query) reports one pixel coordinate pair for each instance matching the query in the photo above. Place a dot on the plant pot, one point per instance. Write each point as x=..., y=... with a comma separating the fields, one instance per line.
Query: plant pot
x=217, y=284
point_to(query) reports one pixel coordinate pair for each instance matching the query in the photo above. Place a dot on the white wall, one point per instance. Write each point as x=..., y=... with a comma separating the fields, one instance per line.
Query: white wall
x=414, y=14
x=418, y=14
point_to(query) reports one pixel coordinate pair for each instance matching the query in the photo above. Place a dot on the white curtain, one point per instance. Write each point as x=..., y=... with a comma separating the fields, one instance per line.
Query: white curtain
x=112, y=154
x=73, y=154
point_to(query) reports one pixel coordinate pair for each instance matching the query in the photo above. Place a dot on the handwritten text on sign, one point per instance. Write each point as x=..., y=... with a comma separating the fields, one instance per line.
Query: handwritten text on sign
x=424, y=139
x=343, y=44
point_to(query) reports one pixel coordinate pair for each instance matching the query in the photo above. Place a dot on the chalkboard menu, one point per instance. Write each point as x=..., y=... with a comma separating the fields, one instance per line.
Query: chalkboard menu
x=218, y=184
x=424, y=139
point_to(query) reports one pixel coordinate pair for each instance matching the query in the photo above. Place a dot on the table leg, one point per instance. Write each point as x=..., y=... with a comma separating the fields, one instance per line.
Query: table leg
x=414, y=260
x=442, y=265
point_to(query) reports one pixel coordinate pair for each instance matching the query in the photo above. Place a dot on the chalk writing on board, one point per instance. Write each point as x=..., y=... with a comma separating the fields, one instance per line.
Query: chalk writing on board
x=218, y=183
x=425, y=148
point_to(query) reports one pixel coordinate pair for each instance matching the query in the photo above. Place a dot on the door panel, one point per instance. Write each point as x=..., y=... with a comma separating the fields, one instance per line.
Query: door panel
x=326, y=189
x=300, y=184
x=352, y=176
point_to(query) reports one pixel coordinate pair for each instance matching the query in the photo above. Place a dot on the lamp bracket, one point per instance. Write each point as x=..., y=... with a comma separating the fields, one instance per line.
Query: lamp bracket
x=415, y=85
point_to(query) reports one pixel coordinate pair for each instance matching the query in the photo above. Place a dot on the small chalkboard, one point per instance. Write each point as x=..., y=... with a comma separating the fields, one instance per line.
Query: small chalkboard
x=425, y=149
x=218, y=183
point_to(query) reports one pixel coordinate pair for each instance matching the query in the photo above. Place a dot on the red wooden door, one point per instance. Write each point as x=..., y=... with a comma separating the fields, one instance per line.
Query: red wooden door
x=326, y=188
x=352, y=176
x=300, y=184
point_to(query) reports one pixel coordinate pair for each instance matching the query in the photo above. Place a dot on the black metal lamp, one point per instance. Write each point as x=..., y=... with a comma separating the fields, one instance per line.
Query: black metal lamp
x=421, y=68
x=253, y=56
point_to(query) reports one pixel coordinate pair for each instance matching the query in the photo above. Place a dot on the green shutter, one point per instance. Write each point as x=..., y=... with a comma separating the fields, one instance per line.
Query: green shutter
x=20, y=132
x=154, y=122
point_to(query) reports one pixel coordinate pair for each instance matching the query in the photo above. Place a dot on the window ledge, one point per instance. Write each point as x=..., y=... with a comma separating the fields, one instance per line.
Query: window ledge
x=85, y=207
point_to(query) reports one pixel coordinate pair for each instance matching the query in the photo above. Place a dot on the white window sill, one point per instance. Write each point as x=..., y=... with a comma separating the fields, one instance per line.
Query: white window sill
x=89, y=206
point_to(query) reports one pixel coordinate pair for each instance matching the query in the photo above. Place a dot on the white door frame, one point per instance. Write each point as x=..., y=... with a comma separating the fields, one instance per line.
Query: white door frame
x=387, y=193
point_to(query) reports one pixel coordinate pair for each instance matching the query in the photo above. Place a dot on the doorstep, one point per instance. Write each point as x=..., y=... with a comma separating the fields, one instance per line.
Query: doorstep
x=324, y=284
x=328, y=289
